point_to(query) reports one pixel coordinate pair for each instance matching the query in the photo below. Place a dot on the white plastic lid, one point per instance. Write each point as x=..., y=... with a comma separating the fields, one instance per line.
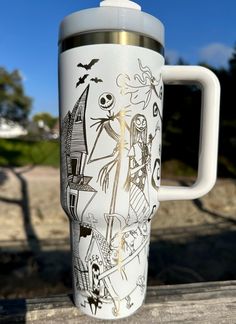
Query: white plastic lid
x=120, y=3
x=112, y=18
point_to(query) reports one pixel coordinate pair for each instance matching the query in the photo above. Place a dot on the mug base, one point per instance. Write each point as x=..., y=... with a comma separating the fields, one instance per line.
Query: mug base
x=115, y=310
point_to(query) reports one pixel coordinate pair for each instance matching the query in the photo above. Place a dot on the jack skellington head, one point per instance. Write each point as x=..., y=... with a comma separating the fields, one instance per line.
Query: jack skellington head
x=106, y=101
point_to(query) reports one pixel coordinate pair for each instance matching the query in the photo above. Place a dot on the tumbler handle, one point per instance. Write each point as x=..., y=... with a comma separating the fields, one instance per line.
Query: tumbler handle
x=208, y=147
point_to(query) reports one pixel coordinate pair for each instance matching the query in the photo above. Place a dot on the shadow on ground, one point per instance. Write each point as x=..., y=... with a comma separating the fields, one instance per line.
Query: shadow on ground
x=171, y=261
x=196, y=258
x=3, y=177
x=27, y=274
x=177, y=255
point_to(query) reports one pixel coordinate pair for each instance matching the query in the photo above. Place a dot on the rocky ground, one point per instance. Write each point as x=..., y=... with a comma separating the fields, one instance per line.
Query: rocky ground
x=191, y=240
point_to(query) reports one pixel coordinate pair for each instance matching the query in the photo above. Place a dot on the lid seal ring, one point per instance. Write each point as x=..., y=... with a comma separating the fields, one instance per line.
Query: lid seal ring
x=111, y=37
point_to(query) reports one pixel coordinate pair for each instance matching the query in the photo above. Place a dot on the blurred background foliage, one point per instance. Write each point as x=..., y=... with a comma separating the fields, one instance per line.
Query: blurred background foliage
x=181, y=120
x=14, y=104
x=19, y=152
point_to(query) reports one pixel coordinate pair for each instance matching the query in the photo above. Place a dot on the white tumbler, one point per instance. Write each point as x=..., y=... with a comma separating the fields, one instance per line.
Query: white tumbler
x=111, y=85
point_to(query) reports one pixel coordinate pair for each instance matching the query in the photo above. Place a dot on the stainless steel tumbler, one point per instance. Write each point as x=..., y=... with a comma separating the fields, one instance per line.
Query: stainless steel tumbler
x=111, y=85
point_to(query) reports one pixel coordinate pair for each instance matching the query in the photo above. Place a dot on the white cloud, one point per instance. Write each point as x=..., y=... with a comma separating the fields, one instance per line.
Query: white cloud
x=172, y=56
x=23, y=76
x=216, y=54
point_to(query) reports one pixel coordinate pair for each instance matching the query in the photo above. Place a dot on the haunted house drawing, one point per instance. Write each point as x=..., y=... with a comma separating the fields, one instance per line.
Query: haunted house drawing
x=74, y=151
x=90, y=266
x=82, y=275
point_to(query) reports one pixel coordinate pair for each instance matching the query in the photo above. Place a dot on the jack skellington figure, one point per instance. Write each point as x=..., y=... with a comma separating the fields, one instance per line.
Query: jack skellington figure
x=107, y=102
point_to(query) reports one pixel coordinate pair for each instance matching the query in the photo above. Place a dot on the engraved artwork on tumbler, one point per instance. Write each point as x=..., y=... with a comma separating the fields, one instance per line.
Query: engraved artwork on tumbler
x=75, y=154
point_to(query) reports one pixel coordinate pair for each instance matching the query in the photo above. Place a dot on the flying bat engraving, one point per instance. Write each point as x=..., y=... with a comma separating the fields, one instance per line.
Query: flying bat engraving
x=88, y=66
x=82, y=80
x=96, y=80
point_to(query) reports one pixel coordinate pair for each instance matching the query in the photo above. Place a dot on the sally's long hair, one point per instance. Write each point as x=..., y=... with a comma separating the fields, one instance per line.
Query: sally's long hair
x=134, y=132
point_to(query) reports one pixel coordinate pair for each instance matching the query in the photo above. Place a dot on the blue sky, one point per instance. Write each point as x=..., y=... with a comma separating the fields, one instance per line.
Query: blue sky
x=203, y=30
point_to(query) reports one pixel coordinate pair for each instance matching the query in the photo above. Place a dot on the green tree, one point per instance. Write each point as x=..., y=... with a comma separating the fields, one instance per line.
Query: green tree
x=14, y=104
x=232, y=63
x=227, y=143
x=47, y=118
x=181, y=120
